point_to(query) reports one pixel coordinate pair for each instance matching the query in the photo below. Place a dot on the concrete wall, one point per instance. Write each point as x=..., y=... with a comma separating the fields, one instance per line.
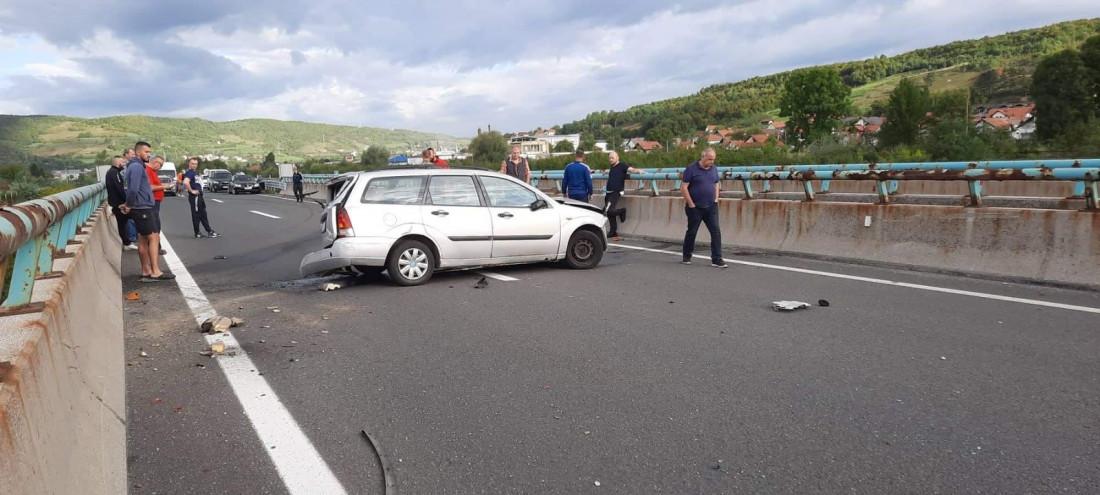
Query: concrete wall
x=1041, y=189
x=1056, y=246
x=62, y=377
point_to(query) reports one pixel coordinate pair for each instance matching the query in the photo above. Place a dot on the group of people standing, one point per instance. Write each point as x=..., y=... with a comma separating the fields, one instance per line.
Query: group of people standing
x=700, y=188
x=135, y=193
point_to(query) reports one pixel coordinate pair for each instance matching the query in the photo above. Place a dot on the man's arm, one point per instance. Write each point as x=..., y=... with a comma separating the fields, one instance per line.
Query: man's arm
x=686, y=179
x=187, y=184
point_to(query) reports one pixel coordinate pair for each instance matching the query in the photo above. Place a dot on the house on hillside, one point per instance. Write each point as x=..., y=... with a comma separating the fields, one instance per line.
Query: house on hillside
x=1018, y=120
x=648, y=146
x=758, y=141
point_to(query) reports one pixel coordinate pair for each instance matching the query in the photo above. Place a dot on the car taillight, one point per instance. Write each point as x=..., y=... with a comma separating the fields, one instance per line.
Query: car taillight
x=343, y=223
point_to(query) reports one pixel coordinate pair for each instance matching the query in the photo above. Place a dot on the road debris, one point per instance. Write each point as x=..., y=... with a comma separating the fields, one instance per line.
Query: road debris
x=597, y=482
x=481, y=284
x=220, y=324
x=329, y=287
x=789, y=305
x=133, y=296
x=823, y=303
x=220, y=257
x=217, y=348
x=143, y=354
x=383, y=464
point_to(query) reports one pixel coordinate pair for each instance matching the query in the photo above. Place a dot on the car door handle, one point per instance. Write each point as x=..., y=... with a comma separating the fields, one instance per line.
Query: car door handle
x=440, y=213
x=505, y=215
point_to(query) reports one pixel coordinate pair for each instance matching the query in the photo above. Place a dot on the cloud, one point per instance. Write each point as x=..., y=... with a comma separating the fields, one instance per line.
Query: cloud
x=446, y=66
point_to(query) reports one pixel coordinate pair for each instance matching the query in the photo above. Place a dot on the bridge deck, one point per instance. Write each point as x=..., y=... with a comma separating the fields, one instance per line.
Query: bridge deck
x=644, y=375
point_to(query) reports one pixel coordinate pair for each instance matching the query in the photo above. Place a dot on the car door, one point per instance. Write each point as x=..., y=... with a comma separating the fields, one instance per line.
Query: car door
x=519, y=231
x=457, y=220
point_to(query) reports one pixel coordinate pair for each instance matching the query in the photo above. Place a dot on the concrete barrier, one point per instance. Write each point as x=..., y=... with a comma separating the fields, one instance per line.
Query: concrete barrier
x=62, y=377
x=1049, y=246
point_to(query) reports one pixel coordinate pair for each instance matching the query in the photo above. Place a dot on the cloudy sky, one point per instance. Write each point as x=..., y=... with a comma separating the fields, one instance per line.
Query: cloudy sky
x=447, y=66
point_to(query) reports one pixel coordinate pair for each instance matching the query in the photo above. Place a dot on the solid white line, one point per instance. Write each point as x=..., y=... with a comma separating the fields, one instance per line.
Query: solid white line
x=262, y=214
x=931, y=288
x=216, y=200
x=497, y=276
x=298, y=463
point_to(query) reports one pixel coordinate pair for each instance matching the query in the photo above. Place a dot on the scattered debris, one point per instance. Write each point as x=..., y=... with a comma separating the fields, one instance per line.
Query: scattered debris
x=272, y=307
x=717, y=466
x=143, y=354
x=133, y=296
x=220, y=324
x=157, y=400
x=383, y=464
x=276, y=310
x=217, y=347
x=789, y=305
x=672, y=302
x=200, y=365
x=329, y=287
x=220, y=257
x=597, y=482
x=823, y=303
x=266, y=326
x=481, y=284
x=294, y=360
x=943, y=358
x=324, y=317
x=178, y=409
x=206, y=353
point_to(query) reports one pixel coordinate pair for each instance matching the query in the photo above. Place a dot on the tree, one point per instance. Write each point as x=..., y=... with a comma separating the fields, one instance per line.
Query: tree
x=906, y=112
x=37, y=171
x=1090, y=55
x=563, y=146
x=814, y=99
x=488, y=148
x=956, y=140
x=588, y=141
x=101, y=158
x=1061, y=87
x=375, y=156
x=269, y=159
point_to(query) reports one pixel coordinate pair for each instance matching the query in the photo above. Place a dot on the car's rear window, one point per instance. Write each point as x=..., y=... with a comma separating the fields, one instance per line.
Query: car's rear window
x=395, y=191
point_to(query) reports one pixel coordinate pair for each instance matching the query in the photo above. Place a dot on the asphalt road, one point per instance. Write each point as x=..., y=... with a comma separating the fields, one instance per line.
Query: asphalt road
x=641, y=376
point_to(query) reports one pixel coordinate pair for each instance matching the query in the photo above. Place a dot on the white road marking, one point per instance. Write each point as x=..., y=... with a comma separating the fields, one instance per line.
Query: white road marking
x=931, y=288
x=262, y=214
x=298, y=463
x=216, y=200
x=497, y=276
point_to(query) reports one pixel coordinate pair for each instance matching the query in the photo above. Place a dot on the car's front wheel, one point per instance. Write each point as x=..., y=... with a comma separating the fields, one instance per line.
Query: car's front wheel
x=411, y=263
x=585, y=250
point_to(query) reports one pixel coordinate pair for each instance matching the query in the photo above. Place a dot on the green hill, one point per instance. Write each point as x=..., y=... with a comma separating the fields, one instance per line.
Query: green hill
x=251, y=139
x=997, y=69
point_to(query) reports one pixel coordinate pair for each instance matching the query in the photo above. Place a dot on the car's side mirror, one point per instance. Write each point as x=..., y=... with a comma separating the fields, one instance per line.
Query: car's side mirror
x=539, y=204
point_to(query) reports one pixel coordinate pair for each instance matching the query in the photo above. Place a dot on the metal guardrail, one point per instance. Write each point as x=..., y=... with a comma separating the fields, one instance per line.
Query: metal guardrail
x=1085, y=174
x=34, y=233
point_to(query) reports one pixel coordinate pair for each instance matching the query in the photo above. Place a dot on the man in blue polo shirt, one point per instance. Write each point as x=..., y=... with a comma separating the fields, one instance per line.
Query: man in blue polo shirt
x=576, y=180
x=139, y=206
x=700, y=189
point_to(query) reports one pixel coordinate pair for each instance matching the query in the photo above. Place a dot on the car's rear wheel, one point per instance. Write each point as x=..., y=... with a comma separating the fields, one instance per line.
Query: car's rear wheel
x=585, y=250
x=411, y=263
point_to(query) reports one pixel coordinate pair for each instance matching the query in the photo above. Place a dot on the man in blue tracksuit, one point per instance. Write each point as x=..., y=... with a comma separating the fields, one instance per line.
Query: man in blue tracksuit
x=576, y=181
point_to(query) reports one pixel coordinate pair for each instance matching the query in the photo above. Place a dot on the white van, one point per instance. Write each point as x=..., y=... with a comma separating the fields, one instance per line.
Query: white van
x=167, y=174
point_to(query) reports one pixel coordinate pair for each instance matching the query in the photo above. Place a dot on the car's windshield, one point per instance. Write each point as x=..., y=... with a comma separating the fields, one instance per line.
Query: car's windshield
x=169, y=174
x=242, y=178
x=220, y=175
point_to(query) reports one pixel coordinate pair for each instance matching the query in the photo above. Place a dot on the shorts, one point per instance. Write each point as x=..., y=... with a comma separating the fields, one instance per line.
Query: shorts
x=146, y=221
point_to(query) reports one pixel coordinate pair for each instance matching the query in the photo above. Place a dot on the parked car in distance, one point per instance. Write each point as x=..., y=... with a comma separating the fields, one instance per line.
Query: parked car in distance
x=219, y=180
x=413, y=222
x=244, y=184
x=167, y=175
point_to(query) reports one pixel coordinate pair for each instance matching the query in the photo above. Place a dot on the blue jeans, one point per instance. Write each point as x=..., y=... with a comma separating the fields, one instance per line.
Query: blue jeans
x=709, y=216
x=131, y=230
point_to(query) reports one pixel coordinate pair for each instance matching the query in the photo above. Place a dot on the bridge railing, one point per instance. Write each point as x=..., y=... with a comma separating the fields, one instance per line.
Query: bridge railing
x=1084, y=173
x=34, y=233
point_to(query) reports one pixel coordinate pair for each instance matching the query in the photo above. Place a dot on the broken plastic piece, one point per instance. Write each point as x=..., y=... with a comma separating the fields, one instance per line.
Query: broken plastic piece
x=789, y=305
x=133, y=296
x=329, y=287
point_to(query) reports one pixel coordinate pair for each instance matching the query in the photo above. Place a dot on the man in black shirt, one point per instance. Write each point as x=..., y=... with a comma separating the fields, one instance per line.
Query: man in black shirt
x=116, y=195
x=616, y=184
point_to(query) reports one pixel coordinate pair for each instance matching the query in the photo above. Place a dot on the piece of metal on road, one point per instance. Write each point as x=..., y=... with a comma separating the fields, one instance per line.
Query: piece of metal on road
x=262, y=214
x=930, y=288
x=497, y=276
x=297, y=462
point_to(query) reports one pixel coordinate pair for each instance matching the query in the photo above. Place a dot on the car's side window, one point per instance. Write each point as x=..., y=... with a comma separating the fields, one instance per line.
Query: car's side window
x=504, y=193
x=453, y=190
x=395, y=191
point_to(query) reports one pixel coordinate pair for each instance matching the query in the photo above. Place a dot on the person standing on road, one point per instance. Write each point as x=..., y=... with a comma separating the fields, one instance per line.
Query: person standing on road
x=296, y=180
x=127, y=155
x=194, y=198
x=433, y=159
x=701, y=187
x=516, y=166
x=617, y=174
x=139, y=206
x=116, y=196
x=576, y=180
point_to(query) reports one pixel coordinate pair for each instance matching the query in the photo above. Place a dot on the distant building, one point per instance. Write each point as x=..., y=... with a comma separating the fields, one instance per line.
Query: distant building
x=533, y=146
x=1018, y=120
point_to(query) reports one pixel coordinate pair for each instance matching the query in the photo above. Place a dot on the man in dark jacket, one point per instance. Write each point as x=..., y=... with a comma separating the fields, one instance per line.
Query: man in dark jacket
x=577, y=179
x=116, y=195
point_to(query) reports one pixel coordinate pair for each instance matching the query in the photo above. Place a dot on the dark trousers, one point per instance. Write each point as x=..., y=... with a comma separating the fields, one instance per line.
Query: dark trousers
x=709, y=216
x=123, y=220
x=612, y=210
x=198, y=213
x=298, y=193
x=580, y=197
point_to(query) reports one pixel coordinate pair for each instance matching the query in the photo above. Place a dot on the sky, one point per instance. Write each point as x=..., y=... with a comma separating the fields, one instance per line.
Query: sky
x=447, y=66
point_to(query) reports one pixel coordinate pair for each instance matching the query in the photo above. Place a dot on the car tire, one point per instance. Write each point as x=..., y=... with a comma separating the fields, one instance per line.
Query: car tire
x=410, y=263
x=585, y=250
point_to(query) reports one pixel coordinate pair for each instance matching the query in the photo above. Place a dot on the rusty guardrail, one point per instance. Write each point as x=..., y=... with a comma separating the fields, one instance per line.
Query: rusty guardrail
x=34, y=233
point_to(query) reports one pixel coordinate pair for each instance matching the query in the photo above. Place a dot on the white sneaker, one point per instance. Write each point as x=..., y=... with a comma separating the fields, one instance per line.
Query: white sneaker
x=129, y=247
